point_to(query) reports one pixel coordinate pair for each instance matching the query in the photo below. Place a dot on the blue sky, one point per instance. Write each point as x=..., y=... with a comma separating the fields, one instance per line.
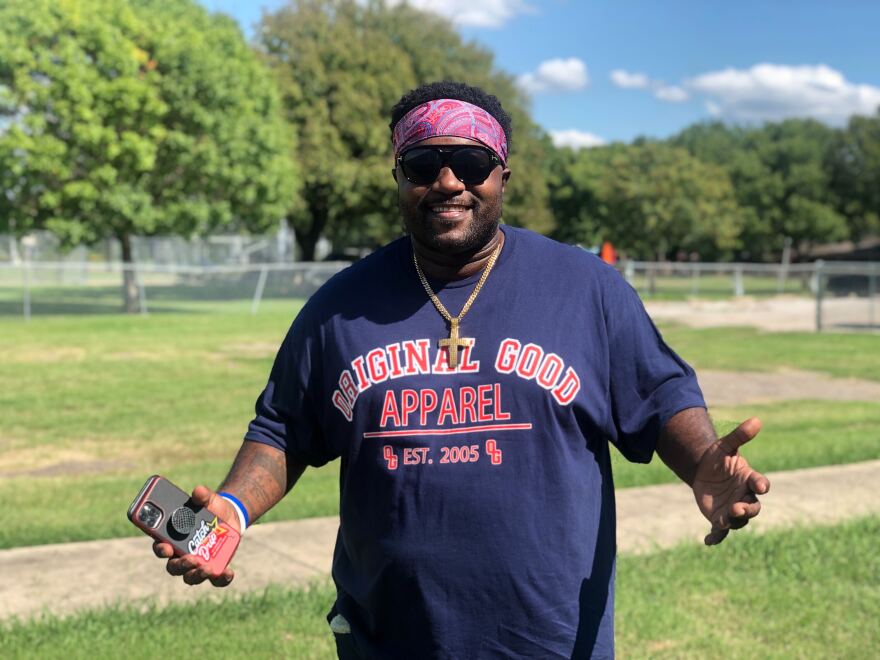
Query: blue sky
x=604, y=71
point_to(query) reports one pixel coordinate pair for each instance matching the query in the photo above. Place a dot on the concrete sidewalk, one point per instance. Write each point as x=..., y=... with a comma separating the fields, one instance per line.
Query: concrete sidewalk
x=64, y=578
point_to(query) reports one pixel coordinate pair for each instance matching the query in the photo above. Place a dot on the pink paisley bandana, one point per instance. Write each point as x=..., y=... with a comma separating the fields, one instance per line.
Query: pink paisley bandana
x=449, y=117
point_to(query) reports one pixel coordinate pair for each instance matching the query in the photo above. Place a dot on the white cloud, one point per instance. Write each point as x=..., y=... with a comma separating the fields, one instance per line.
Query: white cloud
x=556, y=75
x=575, y=139
x=662, y=91
x=771, y=92
x=629, y=80
x=488, y=13
x=671, y=93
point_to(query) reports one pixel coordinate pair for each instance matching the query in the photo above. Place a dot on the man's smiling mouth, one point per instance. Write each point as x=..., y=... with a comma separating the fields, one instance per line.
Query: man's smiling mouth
x=448, y=211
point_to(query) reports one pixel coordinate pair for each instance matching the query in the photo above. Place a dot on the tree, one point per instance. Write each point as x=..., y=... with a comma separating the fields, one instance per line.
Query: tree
x=781, y=181
x=649, y=199
x=341, y=65
x=854, y=166
x=574, y=178
x=436, y=52
x=123, y=118
x=794, y=152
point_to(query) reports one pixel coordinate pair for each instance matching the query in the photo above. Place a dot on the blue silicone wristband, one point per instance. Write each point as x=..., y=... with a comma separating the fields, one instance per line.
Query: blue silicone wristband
x=241, y=507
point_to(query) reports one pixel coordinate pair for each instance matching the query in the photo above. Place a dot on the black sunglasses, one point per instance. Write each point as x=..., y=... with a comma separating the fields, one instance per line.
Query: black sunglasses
x=470, y=165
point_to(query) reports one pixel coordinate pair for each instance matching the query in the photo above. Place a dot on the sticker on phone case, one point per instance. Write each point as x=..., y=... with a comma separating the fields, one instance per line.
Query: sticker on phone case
x=208, y=539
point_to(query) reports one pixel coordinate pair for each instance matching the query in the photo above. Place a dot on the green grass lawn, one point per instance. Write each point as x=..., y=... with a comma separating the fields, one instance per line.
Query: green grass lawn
x=90, y=506
x=799, y=593
x=748, y=349
x=93, y=404
x=87, y=507
x=806, y=593
x=795, y=434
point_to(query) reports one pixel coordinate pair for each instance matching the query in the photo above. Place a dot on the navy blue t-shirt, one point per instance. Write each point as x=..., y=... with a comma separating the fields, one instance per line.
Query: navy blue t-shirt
x=476, y=504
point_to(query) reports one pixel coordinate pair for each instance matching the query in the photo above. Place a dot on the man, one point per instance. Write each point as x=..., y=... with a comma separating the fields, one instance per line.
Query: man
x=470, y=377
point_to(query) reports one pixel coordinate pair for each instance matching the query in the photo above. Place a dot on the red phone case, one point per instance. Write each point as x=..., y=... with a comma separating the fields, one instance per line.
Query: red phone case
x=188, y=528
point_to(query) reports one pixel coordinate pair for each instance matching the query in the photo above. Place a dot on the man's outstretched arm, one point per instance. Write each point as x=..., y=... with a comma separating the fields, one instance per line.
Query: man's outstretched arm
x=260, y=476
x=724, y=484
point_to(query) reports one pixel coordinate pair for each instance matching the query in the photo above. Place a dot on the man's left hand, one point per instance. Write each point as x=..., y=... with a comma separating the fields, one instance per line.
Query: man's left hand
x=725, y=486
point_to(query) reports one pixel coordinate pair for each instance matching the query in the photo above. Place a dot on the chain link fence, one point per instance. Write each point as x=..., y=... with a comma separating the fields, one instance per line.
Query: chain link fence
x=219, y=249
x=680, y=280
x=42, y=288
x=843, y=295
x=837, y=295
x=847, y=296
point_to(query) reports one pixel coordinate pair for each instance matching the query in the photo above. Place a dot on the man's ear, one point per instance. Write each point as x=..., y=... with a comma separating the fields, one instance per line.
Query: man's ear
x=505, y=175
x=394, y=173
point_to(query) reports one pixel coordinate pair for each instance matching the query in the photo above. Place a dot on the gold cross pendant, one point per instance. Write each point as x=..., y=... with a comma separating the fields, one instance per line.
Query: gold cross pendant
x=454, y=343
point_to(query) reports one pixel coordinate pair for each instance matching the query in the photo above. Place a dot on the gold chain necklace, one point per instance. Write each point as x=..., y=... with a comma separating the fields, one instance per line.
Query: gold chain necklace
x=454, y=342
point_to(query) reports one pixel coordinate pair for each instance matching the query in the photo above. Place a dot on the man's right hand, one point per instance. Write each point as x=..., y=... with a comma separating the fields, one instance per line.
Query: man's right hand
x=191, y=567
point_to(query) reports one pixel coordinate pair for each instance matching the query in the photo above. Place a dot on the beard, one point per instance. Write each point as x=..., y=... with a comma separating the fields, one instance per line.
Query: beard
x=452, y=237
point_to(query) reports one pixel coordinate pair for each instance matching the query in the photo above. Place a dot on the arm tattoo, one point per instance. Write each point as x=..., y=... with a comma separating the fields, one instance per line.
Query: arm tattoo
x=260, y=476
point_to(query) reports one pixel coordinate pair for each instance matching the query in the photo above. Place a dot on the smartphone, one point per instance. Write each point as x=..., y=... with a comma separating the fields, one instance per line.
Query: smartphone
x=168, y=514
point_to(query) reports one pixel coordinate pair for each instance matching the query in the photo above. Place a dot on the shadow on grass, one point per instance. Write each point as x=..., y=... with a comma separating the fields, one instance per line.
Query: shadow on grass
x=82, y=305
x=861, y=327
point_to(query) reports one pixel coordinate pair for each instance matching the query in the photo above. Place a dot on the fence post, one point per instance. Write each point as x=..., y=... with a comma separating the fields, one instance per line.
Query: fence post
x=738, y=288
x=26, y=302
x=872, y=294
x=820, y=292
x=29, y=242
x=783, y=267
x=629, y=272
x=258, y=293
x=142, y=292
x=695, y=280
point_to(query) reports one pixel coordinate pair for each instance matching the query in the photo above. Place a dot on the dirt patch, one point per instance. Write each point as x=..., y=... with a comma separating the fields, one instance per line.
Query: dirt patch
x=68, y=469
x=662, y=645
x=252, y=350
x=89, y=457
x=735, y=388
x=8, y=444
x=141, y=356
x=43, y=355
x=777, y=314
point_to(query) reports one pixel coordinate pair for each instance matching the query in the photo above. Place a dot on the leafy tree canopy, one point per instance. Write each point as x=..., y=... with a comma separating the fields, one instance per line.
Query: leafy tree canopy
x=854, y=164
x=340, y=66
x=781, y=181
x=121, y=118
x=650, y=199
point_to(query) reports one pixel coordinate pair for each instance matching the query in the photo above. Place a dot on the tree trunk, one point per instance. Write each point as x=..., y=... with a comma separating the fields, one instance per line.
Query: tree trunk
x=307, y=239
x=652, y=273
x=306, y=245
x=130, y=297
x=13, y=247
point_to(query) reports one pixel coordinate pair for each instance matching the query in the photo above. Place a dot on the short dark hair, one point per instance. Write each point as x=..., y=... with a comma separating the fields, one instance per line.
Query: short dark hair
x=447, y=89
